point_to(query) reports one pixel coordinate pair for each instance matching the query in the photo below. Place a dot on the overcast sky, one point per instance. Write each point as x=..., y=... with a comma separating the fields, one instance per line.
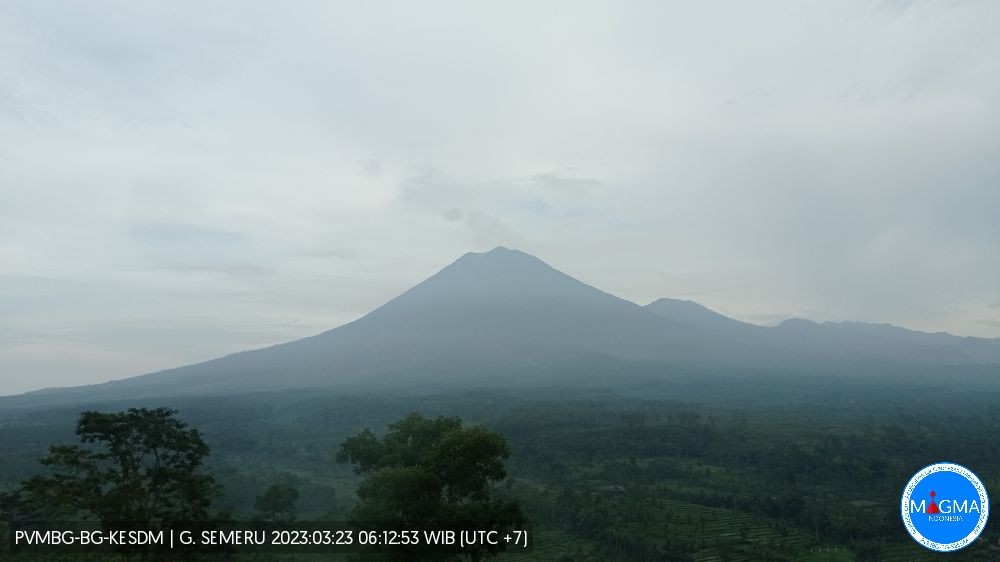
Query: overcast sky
x=182, y=180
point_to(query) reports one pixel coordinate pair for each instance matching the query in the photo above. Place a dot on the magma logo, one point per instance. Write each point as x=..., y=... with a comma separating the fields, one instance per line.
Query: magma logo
x=945, y=507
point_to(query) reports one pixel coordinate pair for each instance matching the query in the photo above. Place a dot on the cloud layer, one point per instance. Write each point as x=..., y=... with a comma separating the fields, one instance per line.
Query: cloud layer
x=184, y=180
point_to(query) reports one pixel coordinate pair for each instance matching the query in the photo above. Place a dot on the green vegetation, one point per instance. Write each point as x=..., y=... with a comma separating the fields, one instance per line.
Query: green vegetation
x=142, y=466
x=277, y=503
x=601, y=476
x=428, y=472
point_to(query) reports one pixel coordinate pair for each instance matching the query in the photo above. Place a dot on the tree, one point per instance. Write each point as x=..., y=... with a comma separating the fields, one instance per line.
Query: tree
x=142, y=466
x=431, y=471
x=11, y=509
x=277, y=503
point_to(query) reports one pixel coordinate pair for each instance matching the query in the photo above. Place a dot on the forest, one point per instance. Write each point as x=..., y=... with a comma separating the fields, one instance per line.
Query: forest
x=602, y=475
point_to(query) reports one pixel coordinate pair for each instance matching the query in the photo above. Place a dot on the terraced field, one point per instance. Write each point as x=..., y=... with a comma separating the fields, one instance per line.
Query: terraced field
x=718, y=534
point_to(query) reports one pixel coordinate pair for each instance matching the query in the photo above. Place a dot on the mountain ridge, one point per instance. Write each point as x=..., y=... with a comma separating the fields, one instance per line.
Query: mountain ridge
x=504, y=311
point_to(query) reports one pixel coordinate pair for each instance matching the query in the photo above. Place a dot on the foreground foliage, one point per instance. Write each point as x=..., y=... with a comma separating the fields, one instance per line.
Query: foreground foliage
x=758, y=470
x=140, y=465
x=431, y=471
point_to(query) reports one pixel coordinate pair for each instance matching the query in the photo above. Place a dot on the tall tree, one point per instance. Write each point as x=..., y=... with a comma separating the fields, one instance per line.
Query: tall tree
x=277, y=503
x=142, y=466
x=431, y=471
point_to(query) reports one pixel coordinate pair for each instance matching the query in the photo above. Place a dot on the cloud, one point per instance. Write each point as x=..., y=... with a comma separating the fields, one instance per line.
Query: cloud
x=214, y=167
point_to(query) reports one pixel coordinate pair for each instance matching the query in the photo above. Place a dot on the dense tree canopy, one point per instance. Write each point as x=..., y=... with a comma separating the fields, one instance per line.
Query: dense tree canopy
x=277, y=503
x=427, y=471
x=142, y=465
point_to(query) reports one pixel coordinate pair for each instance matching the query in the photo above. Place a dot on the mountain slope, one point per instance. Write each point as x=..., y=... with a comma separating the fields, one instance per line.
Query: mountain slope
x=886, y=342
x=483, y=315
x=843, y=341
x=691, y=313
x=505, y=316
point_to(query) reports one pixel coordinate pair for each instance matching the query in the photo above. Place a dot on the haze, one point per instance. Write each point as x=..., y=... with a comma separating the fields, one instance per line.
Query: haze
x=181, y=181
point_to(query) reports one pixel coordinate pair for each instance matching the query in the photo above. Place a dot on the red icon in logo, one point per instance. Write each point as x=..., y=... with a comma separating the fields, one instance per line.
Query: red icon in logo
x=933, y=508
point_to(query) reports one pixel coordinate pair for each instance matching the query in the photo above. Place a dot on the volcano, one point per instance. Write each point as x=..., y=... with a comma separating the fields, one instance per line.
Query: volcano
x=505, y=315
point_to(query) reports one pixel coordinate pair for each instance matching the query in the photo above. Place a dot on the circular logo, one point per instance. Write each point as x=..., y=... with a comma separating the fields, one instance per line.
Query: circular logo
x=945, y=507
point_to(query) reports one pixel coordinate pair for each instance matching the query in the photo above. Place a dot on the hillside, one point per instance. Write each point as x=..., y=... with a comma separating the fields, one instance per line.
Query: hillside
x=505, y=315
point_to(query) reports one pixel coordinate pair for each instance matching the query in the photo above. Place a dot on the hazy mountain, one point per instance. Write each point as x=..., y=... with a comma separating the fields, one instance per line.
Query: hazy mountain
x=887, y=342
x=505, y=315
x=691, y=313
x=846, y=341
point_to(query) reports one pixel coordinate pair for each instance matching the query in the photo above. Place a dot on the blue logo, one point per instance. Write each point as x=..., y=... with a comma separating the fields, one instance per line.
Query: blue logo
x=945, y=507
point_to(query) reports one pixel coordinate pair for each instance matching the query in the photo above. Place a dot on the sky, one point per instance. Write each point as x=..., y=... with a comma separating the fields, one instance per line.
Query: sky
x=183, y=180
